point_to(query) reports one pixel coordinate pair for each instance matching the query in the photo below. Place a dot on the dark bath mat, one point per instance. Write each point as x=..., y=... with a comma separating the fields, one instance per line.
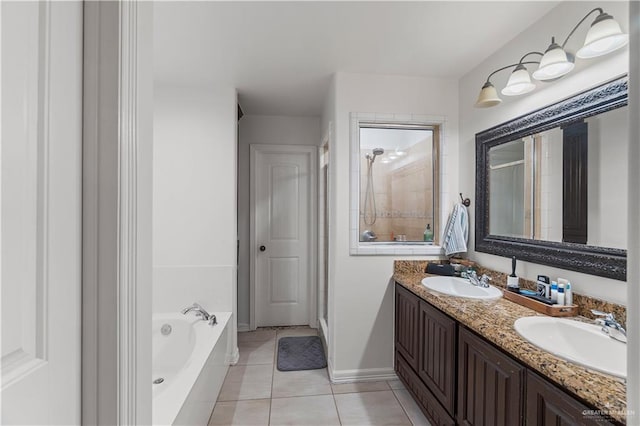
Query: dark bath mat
x=300, y=353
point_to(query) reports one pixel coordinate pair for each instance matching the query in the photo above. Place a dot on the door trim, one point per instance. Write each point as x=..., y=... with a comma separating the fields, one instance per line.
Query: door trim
x=312, y=152
x=116, y=222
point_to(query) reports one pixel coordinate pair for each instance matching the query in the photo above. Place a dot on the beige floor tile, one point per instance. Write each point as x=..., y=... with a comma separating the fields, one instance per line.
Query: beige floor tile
x=370, y=408
x=251, y=412
x=359, y=387
x=247, y=382
x=411, y=408
x=257, y=352
x=304, y=410
x=300, y=383
x=395, y=384
x=256, y=336
x=302, y=331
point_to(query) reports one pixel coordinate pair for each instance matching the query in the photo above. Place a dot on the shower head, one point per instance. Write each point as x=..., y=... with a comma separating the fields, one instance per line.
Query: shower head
x=376, y=152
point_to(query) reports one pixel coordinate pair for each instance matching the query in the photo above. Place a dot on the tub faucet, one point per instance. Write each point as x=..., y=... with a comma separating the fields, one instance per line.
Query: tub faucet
x=610, y=326
x=200, y=312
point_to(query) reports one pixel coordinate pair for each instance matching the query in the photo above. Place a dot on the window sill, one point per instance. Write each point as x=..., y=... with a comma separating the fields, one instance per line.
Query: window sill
x=395, y=249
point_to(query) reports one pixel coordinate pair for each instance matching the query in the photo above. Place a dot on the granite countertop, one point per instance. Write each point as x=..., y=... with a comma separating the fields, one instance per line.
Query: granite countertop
x=494, y=320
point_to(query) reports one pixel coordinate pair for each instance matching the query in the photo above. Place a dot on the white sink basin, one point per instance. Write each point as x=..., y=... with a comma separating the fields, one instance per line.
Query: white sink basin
x=577, y=342
x=459, y=287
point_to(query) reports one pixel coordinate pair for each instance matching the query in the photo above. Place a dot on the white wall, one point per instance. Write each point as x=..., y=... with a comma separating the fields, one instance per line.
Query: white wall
x=194, y=199
x=271, y=130
x=587, y=74
x=360, y=291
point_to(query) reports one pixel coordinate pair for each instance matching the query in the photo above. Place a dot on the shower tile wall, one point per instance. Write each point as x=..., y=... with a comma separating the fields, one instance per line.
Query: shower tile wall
x=404, y=194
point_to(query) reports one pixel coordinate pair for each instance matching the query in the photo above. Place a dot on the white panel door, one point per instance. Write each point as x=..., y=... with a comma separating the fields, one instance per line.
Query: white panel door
x=283, y=233
x=41, y=212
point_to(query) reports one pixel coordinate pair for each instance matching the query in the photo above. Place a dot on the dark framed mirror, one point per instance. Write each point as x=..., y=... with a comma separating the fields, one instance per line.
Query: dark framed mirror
x=551, y=184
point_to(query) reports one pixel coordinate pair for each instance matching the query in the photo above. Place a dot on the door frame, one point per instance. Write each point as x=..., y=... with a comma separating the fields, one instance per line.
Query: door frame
x=312, y=152
x=323, y=272
x=116, y=203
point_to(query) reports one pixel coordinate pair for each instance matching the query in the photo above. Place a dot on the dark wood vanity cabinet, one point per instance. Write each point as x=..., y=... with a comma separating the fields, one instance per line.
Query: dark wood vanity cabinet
x=406, y=327
x=490, y=384
x=457, y=377
x=425, y=356
x=436, y=354
x=549, y=406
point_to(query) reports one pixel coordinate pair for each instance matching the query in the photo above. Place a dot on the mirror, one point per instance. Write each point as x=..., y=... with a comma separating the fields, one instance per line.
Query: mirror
x=551, y=185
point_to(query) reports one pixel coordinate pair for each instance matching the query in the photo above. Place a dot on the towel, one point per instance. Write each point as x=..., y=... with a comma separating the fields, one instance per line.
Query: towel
x=456, y=233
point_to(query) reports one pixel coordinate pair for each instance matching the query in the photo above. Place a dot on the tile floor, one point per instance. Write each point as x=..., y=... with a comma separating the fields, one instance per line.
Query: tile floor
x=256, y=393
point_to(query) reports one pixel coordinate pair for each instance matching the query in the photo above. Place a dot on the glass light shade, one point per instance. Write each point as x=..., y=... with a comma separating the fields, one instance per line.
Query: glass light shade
x=604, y=36
x=553, y=64
x=519, y=82
x=488, y=96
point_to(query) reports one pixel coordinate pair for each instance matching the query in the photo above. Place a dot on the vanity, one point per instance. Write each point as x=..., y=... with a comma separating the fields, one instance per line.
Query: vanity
x=464, y=363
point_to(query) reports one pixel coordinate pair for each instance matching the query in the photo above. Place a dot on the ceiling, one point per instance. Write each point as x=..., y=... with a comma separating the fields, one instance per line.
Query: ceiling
x=280, y=55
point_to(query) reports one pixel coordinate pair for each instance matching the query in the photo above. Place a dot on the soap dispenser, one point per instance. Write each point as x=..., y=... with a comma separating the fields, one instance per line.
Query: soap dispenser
x=428, y=234
x=512, y=280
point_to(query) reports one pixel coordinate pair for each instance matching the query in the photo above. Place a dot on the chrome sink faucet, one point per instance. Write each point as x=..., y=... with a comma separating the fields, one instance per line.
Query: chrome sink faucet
x=610, y=326
x=479, y=282
x=201, y=313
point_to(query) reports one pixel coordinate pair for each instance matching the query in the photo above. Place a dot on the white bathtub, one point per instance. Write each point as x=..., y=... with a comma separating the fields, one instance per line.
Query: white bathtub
x=192, y=360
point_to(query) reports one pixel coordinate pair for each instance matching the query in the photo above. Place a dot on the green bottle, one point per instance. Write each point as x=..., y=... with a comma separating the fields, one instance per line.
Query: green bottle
x=428, y=234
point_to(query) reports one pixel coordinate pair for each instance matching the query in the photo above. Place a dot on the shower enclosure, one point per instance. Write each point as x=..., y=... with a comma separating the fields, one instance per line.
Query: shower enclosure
x=397, y=180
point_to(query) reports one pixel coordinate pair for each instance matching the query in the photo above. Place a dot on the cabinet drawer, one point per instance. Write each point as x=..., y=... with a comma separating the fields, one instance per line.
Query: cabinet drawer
x=427, y=402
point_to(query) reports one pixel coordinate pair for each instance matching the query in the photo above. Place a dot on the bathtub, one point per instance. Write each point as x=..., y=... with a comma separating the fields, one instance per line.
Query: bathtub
x=190, y=362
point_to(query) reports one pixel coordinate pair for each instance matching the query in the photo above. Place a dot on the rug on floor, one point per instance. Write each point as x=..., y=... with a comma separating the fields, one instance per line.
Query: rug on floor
x=300, y=353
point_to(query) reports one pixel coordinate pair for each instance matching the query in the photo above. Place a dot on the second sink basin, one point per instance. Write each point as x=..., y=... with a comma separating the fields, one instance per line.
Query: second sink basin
x=459, y=287
x=577, y=342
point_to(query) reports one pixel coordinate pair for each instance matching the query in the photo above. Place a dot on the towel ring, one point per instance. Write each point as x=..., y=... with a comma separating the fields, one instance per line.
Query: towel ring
x=465, y=201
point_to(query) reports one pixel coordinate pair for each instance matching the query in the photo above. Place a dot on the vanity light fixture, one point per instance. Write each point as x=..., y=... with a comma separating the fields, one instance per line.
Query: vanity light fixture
x=604, y=36
x=488, y=96
x=554, y=63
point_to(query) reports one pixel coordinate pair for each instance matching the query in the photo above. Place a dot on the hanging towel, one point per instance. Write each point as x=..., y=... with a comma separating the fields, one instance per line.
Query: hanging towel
x=456, y=233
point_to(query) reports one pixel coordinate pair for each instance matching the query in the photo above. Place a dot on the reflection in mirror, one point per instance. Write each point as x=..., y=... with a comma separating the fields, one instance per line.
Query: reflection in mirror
x=396, y=183
x=566, y=184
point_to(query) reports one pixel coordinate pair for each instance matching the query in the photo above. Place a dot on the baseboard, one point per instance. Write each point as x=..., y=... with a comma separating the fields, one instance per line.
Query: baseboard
x=361, y=375
x=243, y=327
x=233, y=357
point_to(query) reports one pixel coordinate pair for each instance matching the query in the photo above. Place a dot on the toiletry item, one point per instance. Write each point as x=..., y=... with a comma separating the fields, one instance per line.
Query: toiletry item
x=554, y=291
x=512, y=280
x=568, y=294
x=428, y=234
x=438, y=269
x=526, y=292
x=544, y=288
x=538, y=298
x=560, y=294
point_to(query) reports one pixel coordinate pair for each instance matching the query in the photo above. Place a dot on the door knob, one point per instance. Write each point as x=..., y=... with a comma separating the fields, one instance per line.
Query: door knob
x=262, y=248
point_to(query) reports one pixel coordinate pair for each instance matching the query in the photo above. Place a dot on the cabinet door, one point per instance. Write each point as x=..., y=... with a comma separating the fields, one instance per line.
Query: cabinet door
x=549, y=406
x=436, y=354
x=407, y=305
x=490, y=384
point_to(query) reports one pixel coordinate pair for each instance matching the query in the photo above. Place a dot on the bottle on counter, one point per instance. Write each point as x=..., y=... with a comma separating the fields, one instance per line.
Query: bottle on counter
x=568, y=294
x=428, y=234
x=554, y=292
x=560, y=294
